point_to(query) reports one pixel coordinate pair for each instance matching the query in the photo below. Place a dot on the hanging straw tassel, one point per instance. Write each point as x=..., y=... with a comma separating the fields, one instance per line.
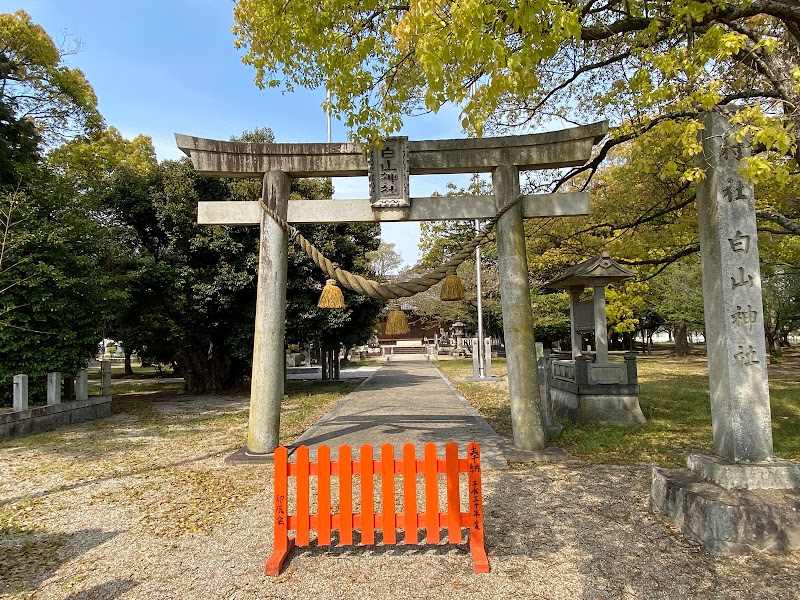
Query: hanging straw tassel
x=452, y=289
x=396, y=323
x=332, y=296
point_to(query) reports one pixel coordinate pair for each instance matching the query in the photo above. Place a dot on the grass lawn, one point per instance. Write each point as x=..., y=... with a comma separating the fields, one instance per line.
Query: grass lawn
x=139, y=372
x=674, y=397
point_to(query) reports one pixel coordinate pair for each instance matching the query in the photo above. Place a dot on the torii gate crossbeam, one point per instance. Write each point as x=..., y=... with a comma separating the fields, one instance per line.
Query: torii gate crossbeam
x=503, y=157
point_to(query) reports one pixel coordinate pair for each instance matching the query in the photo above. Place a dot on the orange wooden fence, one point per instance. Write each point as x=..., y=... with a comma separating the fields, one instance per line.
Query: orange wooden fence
x=409, y=520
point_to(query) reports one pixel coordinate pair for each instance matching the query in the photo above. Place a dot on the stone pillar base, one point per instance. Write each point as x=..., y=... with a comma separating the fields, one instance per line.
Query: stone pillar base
x=605, y=404
x=732, y=508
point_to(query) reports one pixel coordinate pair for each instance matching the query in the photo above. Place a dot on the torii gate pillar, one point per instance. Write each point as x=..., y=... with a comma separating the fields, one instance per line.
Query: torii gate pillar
x=515, y=299
x=266, y=388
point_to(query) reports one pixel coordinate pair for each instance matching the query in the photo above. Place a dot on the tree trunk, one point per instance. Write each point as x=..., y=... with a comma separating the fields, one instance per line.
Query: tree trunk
x=773, y=347
x=682, y=346
x=204, y=370
x=128, y=367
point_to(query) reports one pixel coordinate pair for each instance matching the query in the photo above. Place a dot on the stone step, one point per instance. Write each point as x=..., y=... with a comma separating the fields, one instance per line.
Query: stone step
x=409, y=350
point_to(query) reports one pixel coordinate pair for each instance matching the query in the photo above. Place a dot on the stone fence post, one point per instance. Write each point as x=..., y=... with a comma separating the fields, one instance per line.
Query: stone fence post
x=82, y=385
x=631, y=373
x=475, y=359
x=20, y=392
x=105, y=378
x=53, y=388
x=487, y=357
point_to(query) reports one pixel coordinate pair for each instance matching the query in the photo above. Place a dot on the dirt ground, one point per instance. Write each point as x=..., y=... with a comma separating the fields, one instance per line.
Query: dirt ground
x=142, y=505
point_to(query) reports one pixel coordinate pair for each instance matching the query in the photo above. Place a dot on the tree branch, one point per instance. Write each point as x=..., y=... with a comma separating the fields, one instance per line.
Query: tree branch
x=667, y=260
x=773, y=216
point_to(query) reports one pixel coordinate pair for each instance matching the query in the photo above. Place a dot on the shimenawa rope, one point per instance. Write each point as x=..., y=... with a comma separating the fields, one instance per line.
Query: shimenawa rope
x=388, y=291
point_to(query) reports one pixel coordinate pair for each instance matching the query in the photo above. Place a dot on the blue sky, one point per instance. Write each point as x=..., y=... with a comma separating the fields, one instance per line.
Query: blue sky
x=164, y=67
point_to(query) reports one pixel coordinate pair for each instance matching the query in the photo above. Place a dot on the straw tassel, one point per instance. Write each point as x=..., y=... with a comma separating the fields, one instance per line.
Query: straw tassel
x=396, y=323
x=452, y=289
x=332, y=296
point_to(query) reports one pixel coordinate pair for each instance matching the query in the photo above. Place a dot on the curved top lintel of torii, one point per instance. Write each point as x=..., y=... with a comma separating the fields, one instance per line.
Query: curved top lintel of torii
x=552, y=149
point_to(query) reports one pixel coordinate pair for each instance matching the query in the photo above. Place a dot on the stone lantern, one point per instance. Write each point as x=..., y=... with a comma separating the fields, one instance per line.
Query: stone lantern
x=457, y=331
x=595, y=273
x=593, y=390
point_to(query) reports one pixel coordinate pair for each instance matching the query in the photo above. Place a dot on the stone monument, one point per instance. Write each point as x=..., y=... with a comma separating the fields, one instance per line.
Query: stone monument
x=740, y=498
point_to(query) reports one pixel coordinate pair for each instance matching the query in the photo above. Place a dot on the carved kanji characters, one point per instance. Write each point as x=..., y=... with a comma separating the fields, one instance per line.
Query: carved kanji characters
x=746, y=357
x=740, y=242
x=742, y=280
x=744, y=318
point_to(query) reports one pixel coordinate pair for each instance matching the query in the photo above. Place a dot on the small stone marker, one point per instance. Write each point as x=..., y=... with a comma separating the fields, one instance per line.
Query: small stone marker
x=475, y=359
x=734, y=315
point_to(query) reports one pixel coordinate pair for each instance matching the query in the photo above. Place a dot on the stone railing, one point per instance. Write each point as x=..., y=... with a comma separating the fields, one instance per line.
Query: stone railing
x=563, y=369
x=24, y=419
x=582, y=371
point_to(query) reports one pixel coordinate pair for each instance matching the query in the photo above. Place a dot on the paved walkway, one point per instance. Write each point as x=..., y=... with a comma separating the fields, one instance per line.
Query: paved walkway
x=407, y=400
x=315, y=373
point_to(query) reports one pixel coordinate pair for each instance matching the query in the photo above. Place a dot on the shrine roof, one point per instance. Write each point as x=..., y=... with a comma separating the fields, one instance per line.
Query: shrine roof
x=596, y=271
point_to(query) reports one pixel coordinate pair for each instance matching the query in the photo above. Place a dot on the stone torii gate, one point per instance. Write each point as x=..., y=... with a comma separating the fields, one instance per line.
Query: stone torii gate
x=503, y=157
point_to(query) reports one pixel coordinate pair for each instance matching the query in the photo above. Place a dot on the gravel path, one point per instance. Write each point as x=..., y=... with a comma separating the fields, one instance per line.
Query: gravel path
x=141, y=505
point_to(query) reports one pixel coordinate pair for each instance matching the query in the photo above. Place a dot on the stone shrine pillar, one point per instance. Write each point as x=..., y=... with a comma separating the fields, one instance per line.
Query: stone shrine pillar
x=515, y=299
x=574, y=335
x=53, y=388
x=269, y=360
x=600, y=324
x=734, y=315
x=20, y=394
x=721, y=502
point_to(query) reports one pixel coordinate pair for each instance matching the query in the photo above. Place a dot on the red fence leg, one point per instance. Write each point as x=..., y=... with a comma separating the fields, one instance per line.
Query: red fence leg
x=282, y=544
x=476, y=542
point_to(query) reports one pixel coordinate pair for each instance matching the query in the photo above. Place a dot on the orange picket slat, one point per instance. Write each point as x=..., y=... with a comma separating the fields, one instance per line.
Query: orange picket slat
x=387, y=494
x=367, y=496
x=303, y=496
x=453, y=496
x=410, y=524
x=345, y=496
x=324, y=495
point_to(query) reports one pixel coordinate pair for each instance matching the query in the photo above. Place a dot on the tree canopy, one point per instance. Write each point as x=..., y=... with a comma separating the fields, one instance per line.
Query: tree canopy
x=37, y=84
x=650, y=67
x=508, y=62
